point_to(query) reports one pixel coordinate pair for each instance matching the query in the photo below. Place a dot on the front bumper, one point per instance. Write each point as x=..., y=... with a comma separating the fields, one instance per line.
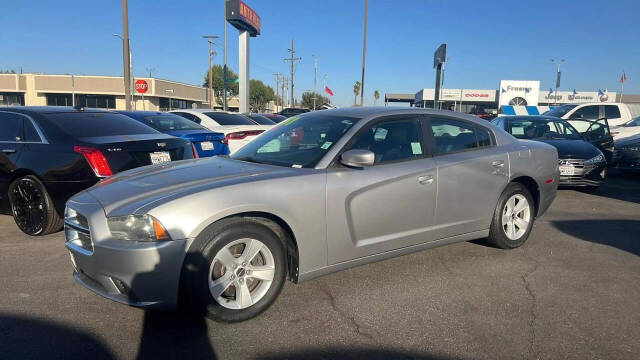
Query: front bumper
x=584, y=174
x=140, y=274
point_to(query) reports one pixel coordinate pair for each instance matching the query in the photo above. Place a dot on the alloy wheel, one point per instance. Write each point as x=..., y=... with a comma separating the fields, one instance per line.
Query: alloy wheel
x=516, y=216
x=28, y=206
x=241, y=273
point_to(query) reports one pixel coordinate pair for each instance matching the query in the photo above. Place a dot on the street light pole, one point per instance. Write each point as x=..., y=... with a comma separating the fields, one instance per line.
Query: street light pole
x=150, y=70
x=364, y=51
x=126, y=54
x=315, y=79
x=558, y=63
x=224, y=55
x=209, y=38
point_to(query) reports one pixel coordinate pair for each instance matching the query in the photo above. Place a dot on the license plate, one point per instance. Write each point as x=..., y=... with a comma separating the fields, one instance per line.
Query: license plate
x=567, y=170
x=206, y=145
x=160, y=157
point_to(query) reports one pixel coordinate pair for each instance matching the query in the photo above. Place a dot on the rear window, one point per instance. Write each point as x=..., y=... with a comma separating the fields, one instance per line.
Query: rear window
x=169, y=122
x=262, y=120
x=88, y=124
x=229, y=119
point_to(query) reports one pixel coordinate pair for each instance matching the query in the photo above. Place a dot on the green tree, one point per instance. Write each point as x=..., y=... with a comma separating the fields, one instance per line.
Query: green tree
x=218, y=87
x=307, y=99
x=356, y=92
x=260, y=95
x=376, y=96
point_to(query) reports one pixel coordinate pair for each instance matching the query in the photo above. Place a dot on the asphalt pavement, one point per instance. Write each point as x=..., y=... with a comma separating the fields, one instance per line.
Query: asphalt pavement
x=571, y=292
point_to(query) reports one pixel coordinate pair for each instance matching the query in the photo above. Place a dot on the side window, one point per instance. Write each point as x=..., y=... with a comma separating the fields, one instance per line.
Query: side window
x=588, y=112
x=188, y=116
x=452, y=136
x=484, y=139
x=11, y=125
x=30, y=133
x=611, y=112
x=392, y=140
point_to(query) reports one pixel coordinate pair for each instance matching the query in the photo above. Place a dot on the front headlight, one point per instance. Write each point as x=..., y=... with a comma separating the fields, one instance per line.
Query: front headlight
x=595, y=159
x=137, y=228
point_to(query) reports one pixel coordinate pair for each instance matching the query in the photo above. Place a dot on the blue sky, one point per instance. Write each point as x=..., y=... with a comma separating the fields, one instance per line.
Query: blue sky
x=487, y=41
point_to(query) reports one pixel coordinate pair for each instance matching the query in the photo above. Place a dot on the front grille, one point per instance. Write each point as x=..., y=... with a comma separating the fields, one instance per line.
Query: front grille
x=580, y=168
x=76, y=230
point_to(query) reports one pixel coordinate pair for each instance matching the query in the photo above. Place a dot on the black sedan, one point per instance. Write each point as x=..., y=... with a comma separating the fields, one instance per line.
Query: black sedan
x=580, y=163
x=48, y=154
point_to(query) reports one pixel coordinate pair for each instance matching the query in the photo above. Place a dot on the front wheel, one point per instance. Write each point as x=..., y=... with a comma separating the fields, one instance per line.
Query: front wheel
x=235, y=269
x=513, y=217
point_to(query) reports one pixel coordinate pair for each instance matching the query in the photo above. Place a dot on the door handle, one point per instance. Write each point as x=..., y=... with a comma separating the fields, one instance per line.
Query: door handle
x=8, y=151
x=497, y=164
x=425, y=179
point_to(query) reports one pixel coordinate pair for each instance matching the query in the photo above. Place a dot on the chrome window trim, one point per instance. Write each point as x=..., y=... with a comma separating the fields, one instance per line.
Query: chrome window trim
x=43, y=139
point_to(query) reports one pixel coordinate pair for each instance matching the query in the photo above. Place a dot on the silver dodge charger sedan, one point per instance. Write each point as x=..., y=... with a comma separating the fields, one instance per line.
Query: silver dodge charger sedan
x=318, y=193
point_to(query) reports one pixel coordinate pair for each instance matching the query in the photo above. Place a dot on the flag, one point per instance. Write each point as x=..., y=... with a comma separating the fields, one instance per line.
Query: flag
x=327, y=90
x=575, y=92
x=550, y=91
x=623, y=78
x=600, y=92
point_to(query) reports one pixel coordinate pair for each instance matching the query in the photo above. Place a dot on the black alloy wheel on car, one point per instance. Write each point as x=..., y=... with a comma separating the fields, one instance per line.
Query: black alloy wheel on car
x=32, y=208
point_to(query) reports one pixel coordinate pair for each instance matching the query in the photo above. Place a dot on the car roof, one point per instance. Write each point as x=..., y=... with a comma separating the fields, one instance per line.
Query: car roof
x=200, y=111
x=532, y=117
x=51, y=109
x=141, y=112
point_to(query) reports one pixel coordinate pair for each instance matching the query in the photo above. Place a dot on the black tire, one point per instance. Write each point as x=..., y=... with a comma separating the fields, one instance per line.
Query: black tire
x=32, y=207
x=497, y=236
x=203, y=250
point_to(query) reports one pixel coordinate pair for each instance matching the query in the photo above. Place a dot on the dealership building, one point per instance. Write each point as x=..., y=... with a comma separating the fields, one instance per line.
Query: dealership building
x=509, y=92
x=103, y=92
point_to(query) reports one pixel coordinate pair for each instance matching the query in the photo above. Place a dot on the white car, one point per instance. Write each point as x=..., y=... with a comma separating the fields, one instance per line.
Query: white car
x=238, y=129
x=626, y=130
x=616, y=113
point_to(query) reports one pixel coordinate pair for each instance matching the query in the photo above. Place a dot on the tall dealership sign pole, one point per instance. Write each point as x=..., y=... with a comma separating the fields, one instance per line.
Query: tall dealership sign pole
x=439, y=58
x=125, y=55
x=558, y=75
x=247, y=21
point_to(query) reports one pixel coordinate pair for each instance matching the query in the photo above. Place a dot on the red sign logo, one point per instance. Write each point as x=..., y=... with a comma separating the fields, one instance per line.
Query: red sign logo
x=141, y=86
x=476, y=95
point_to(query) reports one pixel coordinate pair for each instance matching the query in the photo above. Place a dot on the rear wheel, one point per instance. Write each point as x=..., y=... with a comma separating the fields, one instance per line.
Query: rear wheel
x=32, y=207
x=513, y=217
x=235, y=269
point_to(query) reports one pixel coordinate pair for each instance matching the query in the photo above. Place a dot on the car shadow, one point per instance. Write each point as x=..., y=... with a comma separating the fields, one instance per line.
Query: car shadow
x=619, y=186
x=30, y=338
x=354, y=353
x=621, y=234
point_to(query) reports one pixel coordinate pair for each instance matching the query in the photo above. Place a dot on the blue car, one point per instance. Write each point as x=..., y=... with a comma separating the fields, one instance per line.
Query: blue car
x=206, y=142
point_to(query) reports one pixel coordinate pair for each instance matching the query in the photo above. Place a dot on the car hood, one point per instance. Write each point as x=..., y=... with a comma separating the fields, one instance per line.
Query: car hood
x=578, y=149
x=628, y=140
x=128, y=191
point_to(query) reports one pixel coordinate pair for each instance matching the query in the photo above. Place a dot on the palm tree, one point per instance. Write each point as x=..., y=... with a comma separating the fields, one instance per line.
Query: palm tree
x=376, y=96
x=356, y=92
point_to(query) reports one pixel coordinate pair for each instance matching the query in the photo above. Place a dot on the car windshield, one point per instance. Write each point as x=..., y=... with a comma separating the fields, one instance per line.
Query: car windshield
x=542, y=129
x=300, y=141
x=560, y=111
x=229, y=119
x=262, y=120
x=170, y=122
x=634, y=122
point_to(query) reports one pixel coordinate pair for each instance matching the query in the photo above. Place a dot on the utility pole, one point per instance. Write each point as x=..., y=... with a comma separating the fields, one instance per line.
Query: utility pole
x=277, y=75
x=224, y=55
x=150, y=70
x=315, y=79
x=126, y=55
x=364, y=51
x=210, y=39
x=293, y=59
x=284, y=81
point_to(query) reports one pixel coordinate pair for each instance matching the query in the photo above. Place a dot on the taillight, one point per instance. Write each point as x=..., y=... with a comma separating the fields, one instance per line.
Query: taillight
x=96, y=160
x=195, y=152
x=241, y=135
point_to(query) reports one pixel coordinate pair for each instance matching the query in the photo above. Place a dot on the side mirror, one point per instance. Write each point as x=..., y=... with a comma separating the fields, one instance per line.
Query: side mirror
x=357, y=158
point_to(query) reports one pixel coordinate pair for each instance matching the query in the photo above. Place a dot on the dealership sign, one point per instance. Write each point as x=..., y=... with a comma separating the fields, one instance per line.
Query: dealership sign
x=242, y=17
x=141, y=86
x=518, y=92
x=570, y=97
